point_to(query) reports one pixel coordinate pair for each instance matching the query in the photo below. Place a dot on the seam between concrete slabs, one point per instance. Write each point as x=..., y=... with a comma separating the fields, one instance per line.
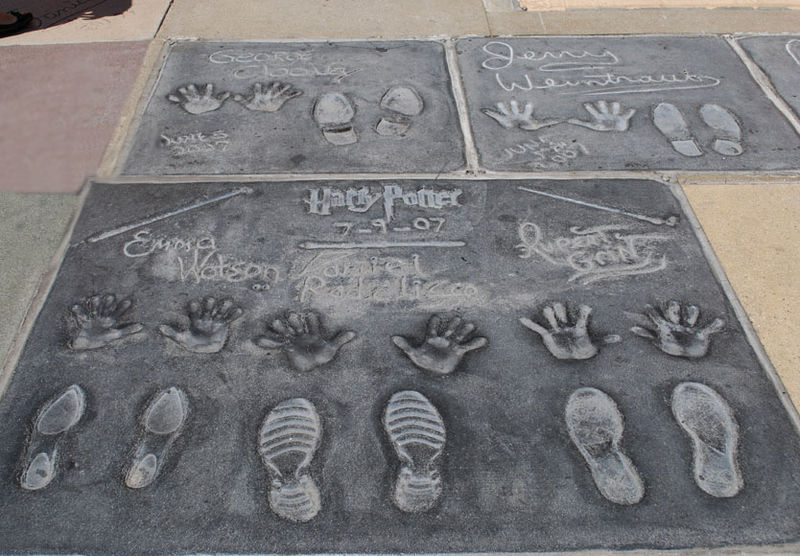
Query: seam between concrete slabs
x=460, y=95
x=738, y=308
x=764, y=82
x=119, y=149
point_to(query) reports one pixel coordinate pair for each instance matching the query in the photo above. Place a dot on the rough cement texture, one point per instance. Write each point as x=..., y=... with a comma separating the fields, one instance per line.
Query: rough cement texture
x=779, y=57
x=620, y=103
x=510, y=477
x=300, y=107
x=31, y=229
x=343, y=19
x=56, y=131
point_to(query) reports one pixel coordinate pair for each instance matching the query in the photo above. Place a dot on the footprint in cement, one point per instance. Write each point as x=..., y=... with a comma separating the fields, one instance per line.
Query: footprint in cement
x=729, y=134
x=669, y=121
x=289, y=437
x=417, y=434
x=54, y=419
x=595, y=426
x=162, y=422
x=404, y=103
x=334, y=114
x=709, y=422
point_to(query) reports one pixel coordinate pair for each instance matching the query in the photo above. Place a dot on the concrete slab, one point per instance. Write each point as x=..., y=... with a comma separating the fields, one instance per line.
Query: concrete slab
x=320, y=19
x=56, y=129
x=31, y=230
x=620, y=103
x=254, y=108
x=764, y=274
x=298, y=315
x=646, y=21
x=58, y=21
x=779, y=58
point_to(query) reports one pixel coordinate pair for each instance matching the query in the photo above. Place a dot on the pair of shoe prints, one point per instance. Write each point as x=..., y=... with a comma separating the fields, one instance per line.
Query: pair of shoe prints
x=525, y=427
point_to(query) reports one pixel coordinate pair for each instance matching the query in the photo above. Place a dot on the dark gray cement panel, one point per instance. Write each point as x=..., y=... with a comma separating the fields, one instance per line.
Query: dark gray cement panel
x=280, y=133
x=779, y=57
x=557, y=76
x=512, y=479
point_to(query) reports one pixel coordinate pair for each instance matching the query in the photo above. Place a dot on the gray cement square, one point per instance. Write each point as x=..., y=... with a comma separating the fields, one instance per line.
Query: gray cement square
x=779, y=57
x=620, y=103
x=253, y=108
x=390, y=366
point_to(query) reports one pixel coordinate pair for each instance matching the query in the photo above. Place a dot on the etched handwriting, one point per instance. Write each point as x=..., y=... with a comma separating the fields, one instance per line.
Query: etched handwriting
x=195, y=142
x=145, y=243
x=545, y=152
x=610, y=83
x=322, y=201
x=279, y=64
x=502, y=55
x=596, y=253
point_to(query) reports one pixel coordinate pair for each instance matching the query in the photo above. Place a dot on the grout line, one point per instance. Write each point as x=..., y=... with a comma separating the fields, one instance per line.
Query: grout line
x=764, y=82
x=738, y=308
x=36, y=304
x=457, y=86
x=163, y=18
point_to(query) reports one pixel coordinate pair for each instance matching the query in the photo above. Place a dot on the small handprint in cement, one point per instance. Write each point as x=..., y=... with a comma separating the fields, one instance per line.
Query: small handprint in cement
x=678, y=334
x=195, y=103
x=270, y=100
x=605, y=117
x=304, y=340
x=564, y=340
x=445, y=345
x=510, y=116
x=97, y=322
x=209, y=321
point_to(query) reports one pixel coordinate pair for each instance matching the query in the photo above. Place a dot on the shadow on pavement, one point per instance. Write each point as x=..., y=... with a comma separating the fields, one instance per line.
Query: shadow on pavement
x=49, y=13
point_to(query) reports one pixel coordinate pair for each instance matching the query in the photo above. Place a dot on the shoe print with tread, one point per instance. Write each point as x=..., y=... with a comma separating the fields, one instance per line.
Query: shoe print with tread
x=289, y=437
x=417, y=434
x=54, y=419
x=405, y=103
x=595, y=425
x=334, y=114
x=162, y=422
x=671, y=123
x=709, y=422
x=729, y=134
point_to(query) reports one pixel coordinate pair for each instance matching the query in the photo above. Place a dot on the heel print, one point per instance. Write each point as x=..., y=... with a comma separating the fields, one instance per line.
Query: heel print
x=54, y=419
x=289, y=437
x=405, y=103
x=708, y=421
x=670, y=122
x=417, y=434
x=595, y=426
x=162, y=422
x=729, y=135
x=334, y=113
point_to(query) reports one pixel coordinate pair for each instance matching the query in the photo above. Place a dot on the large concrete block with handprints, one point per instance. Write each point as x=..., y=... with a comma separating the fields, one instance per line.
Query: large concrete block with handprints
x=779, y=57
x=620, y=103
x=260, y=107
x=392, y=366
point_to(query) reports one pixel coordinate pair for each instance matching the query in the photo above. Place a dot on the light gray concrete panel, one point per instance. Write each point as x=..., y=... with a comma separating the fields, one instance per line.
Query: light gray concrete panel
x=249, y=108
x=620, y=103
x=390, y=366
x=779, y=57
